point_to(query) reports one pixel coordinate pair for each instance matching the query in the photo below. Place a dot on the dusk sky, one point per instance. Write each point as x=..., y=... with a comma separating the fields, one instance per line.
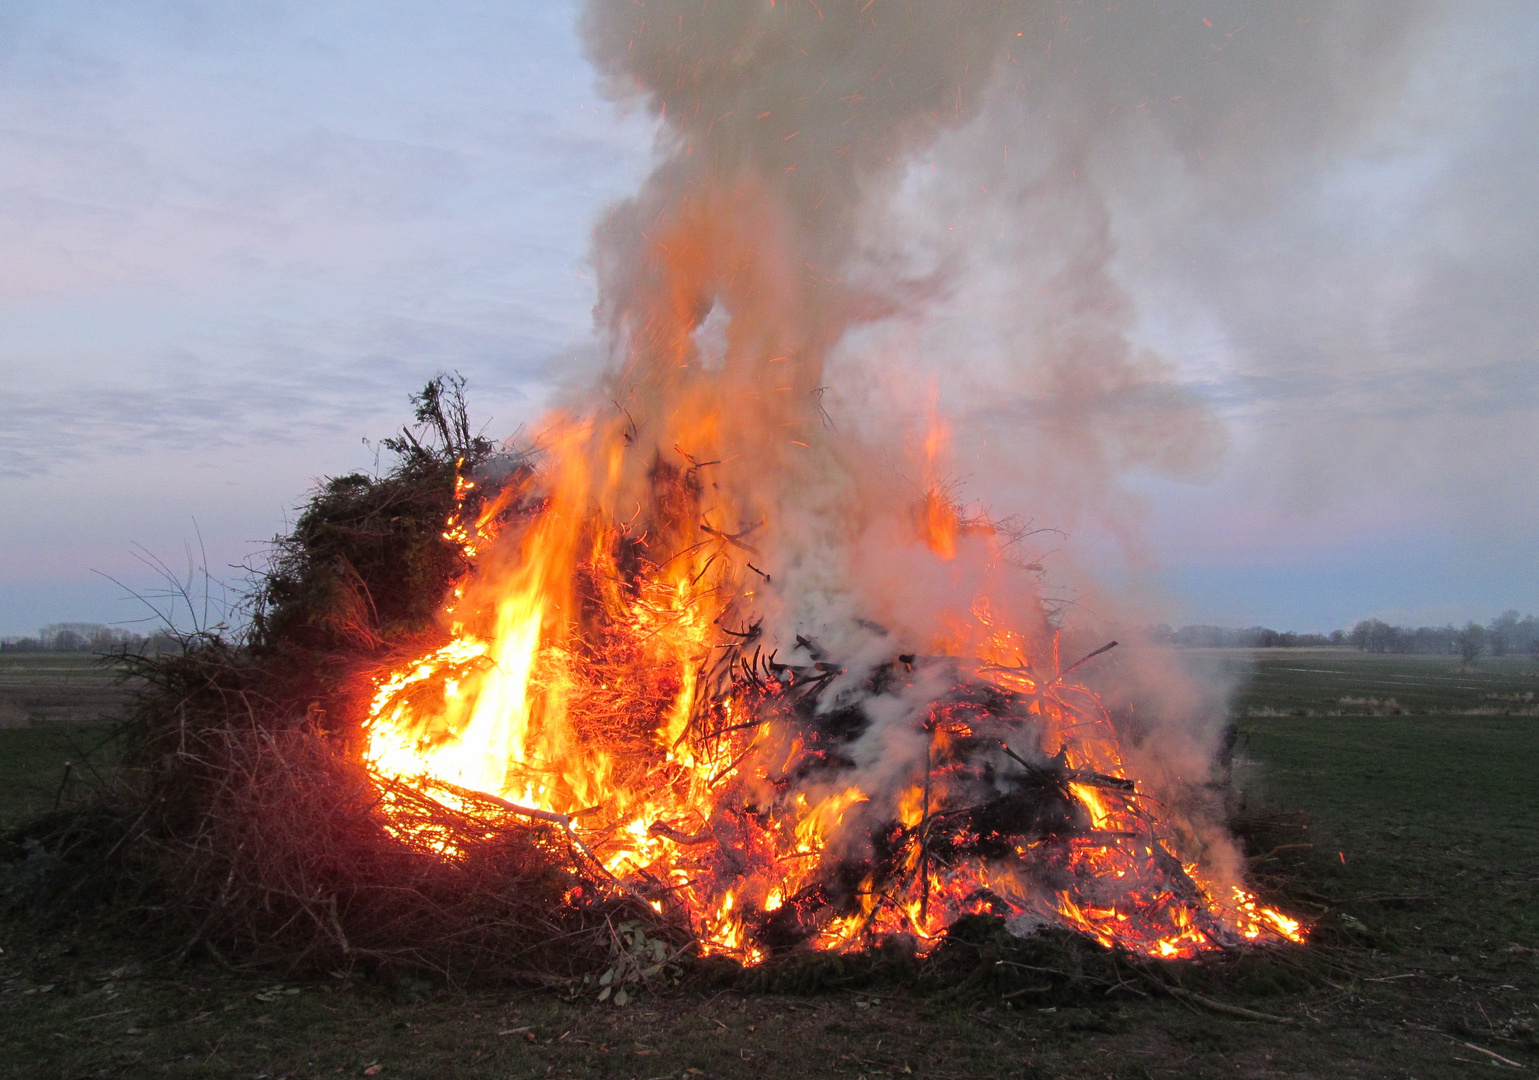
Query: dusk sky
x=235, y=236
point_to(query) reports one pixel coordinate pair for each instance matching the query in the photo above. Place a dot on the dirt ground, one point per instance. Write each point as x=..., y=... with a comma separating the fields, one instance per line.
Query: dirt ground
x=1412, y=840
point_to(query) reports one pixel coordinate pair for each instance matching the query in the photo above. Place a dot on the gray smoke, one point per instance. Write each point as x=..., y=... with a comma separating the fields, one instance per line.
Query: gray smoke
x=907, y=203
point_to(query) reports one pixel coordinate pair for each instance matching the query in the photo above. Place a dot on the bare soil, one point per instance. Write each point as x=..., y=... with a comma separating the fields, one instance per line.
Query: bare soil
x=1412, y=837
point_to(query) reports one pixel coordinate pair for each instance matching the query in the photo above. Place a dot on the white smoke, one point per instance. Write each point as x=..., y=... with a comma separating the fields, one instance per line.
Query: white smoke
x=883, y=209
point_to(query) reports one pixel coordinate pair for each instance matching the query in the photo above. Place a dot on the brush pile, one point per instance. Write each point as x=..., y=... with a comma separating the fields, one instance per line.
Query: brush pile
x=243, y=824
x=306, y=794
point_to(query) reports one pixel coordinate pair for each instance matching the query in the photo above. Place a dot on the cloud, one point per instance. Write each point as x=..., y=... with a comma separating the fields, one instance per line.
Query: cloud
x=274, y=384
x=230, y=223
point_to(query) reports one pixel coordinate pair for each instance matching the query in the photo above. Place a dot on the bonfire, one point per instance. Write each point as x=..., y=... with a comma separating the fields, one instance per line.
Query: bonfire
x=733, y=630
x=625, y=680
x=723, y=654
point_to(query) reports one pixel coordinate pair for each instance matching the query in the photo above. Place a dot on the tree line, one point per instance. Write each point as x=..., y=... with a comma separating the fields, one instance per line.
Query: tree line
x=1251, y=637
x=1507, y=634
x=84, y=637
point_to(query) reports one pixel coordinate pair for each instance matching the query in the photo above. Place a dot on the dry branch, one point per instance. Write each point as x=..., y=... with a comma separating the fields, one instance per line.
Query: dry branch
x=1222, y=1007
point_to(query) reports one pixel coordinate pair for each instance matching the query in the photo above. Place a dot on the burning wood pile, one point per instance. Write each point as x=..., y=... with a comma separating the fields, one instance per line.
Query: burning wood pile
x=724, y=655
x=517, y=785
x=771, y=795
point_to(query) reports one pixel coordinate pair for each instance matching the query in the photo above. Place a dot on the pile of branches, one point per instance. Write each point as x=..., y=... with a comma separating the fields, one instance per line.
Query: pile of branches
x=366, y=567
x=983, y=802
x=242, y=825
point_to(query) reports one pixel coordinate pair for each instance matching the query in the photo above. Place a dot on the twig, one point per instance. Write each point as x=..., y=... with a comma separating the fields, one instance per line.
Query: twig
x=1470, y=1045
x=63, y=783
x=1275, y=850
x=1032, y=967
x=662, y=828
x=1491, y=1054
x=727, y=770
x=1082, y=661
x=557, y=819
x=1221, y=1007
x=735, y=539
x=99, y=1016
x=924, y=837
x=1026, y=990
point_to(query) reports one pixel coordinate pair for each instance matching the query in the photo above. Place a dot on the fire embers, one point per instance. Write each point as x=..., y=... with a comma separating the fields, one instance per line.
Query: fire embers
x=984, y=821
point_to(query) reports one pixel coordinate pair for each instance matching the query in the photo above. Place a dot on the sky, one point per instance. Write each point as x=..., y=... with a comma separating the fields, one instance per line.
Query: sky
x=235, y=236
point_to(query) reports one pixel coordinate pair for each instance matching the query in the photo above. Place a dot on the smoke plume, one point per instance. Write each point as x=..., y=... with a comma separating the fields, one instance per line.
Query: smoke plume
x=832, y=359
x=868, y=220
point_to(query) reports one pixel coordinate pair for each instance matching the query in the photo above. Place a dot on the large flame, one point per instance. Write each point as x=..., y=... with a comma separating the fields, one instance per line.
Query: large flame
x=764, y=667
x=623, y=675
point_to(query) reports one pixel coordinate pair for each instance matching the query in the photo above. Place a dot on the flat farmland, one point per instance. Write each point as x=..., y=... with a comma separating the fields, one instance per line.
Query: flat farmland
x=54, y=708
x=1391, y=800
x=1326, y=682
x=44, y=688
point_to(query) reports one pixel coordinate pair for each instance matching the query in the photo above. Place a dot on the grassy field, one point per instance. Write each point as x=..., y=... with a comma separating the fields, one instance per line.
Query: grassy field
x=1409, y=830
x=42, y=688
x=53, y=710
x=1330, y=682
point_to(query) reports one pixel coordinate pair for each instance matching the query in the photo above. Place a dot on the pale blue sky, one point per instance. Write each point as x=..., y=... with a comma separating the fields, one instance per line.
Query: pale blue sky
x=234, y=236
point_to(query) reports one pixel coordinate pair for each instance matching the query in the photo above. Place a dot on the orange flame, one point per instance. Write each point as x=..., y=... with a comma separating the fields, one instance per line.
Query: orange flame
x=634, y=656
x=601, y=681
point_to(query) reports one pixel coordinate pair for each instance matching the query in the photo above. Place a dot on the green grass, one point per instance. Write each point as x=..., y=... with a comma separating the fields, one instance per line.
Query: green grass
x=1423, y=864
x=1454, y=817
x=64, y=670
x=55, y=707
x=1343, y=681
x=49, y=764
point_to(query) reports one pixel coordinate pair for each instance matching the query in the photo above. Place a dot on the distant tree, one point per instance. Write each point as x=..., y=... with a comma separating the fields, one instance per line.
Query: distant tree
x=1503, y=633
x=1507, y=633
x=159, y=642
x=1375, y=635
x=74, y=636
x=1425, y=639
x=1528, y=635
x=90, y=638
x=1472, y=641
